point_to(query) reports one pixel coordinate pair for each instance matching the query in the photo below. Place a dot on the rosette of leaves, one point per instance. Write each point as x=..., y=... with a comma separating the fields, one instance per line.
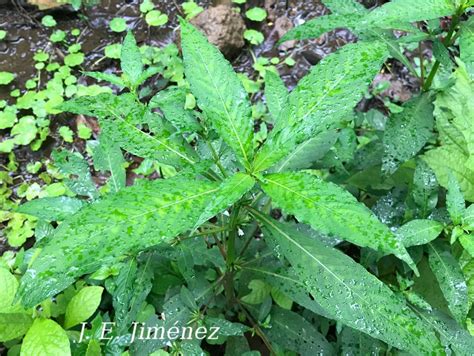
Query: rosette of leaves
x=209, y=212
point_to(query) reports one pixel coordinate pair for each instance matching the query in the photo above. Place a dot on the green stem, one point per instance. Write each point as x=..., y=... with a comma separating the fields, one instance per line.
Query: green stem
x=448, y=41
x=217, y=160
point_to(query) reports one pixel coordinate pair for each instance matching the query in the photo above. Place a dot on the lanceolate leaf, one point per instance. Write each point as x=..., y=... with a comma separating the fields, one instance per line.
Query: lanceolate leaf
x=455, y=201
x=172, y=101
x=123, y=223
x=230, y=190
x=108, y=158
x=219, y=92
x=51, y=208
x=351, y=294
x=320, y=25
x=407, y=132
x=331, y=210
x=131, y=59
x=122, y=120
x=390, y=14
x=325, y=96
x=419, y=232
x=293, y=332
x=451, y=280
x=276, y=93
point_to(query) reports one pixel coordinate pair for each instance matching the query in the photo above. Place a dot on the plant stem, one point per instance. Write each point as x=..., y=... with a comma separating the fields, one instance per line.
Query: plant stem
x=257, y=329
x=422, y=65
x=217, y=160
x=446, y=42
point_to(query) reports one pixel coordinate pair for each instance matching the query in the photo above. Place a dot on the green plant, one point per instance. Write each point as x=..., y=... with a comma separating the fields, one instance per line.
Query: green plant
x=253, y=233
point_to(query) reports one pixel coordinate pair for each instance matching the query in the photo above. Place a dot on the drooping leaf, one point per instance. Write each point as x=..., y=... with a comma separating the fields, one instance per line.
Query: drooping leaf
x=51, y=208
x=454, y=112
x=349, y=293
x=450, y=278
x=130, y=289
x=108, y=158
x=419, y=232
x=451, y=334
x=82, y=305
x=222, y=97
x=131, y=59
x=322, y=98
x=276, y=93
x=230, y=191
x=122, y=120
x=123, y=223
x=45, y=337
x=407, y=132
x=172, y=102
x=425, y=188
x=454, y=200
x=293, y=332
x=331, y=210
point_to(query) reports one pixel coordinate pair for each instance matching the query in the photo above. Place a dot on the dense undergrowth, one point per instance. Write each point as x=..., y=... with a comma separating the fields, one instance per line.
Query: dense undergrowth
x=292, y=224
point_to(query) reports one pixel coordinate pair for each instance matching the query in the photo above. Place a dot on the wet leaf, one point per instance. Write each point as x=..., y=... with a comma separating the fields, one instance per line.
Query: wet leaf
x=109, y=158
x=230, y=191
x=331, y=210
x=323, y=97
x=349, y=293
x=123, y=223
x=407, y=132
x=51, y=208
x=293, y=332
x=455, y=201
x=419, y=232
x=222, y=97
x=131, y=58
x=450, y=279
x=276, y=93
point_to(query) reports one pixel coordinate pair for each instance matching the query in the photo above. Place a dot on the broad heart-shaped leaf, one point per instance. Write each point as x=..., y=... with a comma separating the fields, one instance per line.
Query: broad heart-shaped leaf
x=230, y=190
x=331, y=210
x=407, y=132
x=323, y=97
x=122, y=120
x=123, y=223
x=450, y=278
x=348, y=292
x=419, y=232
x=454, y=112
x=45, y=337
x=219, y=92
x=14, y=325
x=131, y=59
x=389, y=15
x=82, y=305
x=276, y=93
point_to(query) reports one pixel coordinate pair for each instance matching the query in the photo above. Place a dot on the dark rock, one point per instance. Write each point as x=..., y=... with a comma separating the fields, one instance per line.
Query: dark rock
x=223, y=27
